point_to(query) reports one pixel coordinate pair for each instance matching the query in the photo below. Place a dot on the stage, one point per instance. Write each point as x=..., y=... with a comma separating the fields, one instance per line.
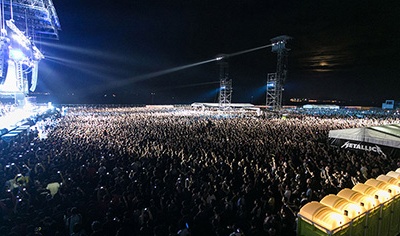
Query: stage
x=20, y=119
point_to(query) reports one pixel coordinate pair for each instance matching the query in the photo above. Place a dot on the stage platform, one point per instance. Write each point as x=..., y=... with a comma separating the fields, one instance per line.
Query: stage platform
x=20, y=119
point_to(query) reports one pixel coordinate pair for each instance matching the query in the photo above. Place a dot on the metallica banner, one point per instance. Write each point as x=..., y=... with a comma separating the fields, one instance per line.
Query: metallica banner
x=366, y=147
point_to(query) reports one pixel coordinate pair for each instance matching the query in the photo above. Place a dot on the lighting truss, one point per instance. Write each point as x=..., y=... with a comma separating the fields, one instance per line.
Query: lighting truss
x=274, y=91
x=38, y=18
x=23, y=22
x=225, y=91
x=275, y=81
x=23, y=41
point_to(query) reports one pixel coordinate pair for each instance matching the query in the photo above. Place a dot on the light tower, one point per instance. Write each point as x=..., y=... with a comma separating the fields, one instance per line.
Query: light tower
x=276, y=80
x=225, y=89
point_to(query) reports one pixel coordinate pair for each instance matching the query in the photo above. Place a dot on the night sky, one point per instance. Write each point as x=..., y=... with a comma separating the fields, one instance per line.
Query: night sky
x=117, y=51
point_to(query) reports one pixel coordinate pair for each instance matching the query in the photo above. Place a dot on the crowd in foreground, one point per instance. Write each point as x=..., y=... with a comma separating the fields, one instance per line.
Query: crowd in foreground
x=141, y=171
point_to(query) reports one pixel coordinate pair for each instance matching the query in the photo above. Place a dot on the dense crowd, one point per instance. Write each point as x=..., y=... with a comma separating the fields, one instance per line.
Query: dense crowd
x=141, y=171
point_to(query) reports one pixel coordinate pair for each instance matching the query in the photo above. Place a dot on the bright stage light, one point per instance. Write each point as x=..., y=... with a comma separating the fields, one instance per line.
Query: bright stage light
x=20, y=41
x=37, y=55
x=270, y=85
x=23, y=41
x=17, y=34
x=28, y=105
x=16, y=54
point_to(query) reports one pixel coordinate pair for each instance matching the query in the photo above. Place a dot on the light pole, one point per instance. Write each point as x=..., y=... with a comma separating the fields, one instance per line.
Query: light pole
x=152, y=97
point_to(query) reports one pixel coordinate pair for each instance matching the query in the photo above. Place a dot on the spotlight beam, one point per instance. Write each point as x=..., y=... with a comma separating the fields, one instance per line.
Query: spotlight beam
x=79, y=65
x=168, y=71
x=125, y=82
x=249, y=50
x=87, y=52
x=80, y=69
x=189, y=85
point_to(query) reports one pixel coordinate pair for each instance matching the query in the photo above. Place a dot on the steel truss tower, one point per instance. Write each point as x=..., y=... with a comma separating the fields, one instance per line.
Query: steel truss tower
x=225, y=89
x=36, y=18
x=275, y=81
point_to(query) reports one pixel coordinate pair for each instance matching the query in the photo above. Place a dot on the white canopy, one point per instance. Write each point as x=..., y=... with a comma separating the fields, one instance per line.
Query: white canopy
x=386, y=135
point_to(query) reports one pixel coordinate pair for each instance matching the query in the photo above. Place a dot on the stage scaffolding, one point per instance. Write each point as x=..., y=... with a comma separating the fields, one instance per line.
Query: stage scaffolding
x=275, y=81
x=24, y=23
x=225, y=88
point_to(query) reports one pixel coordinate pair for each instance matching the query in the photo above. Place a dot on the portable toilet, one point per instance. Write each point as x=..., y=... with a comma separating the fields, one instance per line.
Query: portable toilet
x=392, y=189
x=305, y=224
x=389, y=180
x=316, y=218
x=344, y=206
x=354, y=211
x=382, y=195
x=394, y=174
x=385, y=199
x=395, y=218
x=368, y=202
x=372, y=206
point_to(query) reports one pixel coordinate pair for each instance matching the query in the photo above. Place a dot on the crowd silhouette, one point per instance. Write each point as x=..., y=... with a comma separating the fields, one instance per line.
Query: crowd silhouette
x=151, y=171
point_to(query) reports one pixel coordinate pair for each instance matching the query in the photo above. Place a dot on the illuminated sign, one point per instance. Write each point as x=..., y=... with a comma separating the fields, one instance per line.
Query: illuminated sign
x=364, y=147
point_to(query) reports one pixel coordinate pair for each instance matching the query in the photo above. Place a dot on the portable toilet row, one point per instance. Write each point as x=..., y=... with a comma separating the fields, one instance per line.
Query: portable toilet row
x=393, y=178
x=368, y=209
x=370, y=204
x=319, y=219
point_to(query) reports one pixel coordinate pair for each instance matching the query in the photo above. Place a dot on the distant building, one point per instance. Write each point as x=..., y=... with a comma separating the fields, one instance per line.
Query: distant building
x=320, y=106
x=390, y=105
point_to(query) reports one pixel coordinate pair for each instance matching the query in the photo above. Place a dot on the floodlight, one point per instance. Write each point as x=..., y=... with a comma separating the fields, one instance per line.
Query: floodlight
x=270, y=85
x=21, y=40
x=37, y=55
x=16, y=54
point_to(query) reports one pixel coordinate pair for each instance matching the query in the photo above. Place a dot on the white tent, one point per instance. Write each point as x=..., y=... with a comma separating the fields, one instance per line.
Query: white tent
x=383, y=140
x=386, y=135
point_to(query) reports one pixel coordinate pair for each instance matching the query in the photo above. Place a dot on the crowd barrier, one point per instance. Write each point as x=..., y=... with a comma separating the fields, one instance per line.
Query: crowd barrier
x=368, y=209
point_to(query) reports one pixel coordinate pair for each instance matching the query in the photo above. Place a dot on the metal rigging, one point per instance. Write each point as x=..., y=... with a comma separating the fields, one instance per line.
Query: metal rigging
x=225, y=88
x=275, y=81
x=22, y=23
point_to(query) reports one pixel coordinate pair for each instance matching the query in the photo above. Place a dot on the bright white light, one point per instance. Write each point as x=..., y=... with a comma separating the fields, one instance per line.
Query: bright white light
x=20, y=41
x=18, y=35
x=25, y=42
x=28, y=106
x=36, y=53
x=16, y=54
x=12, y=119
x=219, y=58
x=270, y=85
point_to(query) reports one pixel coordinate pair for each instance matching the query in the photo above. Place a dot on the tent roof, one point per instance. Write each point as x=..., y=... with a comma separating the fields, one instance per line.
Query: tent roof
x=240, y=105
x=387, y=135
